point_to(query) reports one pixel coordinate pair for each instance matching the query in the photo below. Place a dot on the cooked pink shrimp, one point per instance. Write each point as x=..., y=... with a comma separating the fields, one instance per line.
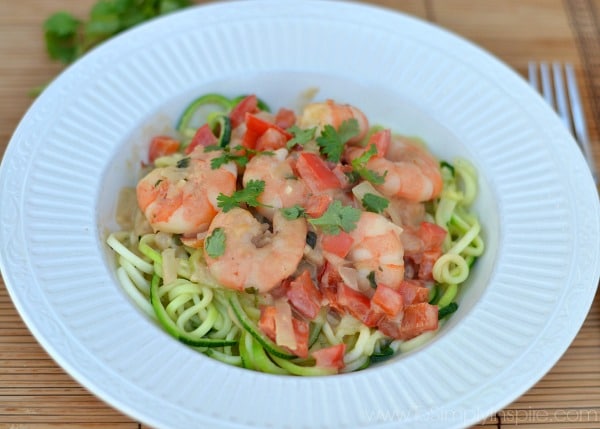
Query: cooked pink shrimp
x=330, y=113
x=282, y=188
x=182, y=199
x=377, y=249
x=410, y=171
x=250, y=255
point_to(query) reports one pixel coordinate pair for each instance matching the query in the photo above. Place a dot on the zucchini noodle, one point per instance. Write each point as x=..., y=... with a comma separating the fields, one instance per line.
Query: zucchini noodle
x=167, y=275
x=463, y=243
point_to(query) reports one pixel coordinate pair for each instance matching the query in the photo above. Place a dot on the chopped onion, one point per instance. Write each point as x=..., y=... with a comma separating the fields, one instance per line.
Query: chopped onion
x=284, y=328
x=350, y=277
x=169, y=265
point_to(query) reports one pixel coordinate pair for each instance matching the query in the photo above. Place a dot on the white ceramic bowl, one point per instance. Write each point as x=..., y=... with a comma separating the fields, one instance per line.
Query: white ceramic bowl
x=81, y=142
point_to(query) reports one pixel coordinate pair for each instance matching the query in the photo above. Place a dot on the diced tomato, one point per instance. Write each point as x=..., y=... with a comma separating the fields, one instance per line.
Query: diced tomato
x=256, y=127
x=413, y=292
x=432, y=235
x=343, y=172
x=304, y=296
x=388, y=300
x=382, y=140
x=316, y=205
x=339, y=244
x=266, y=322
x=357, y=304
x=301, y=330
x=418, y=318
x=248, y=104
x=428, y=260
x=330, y=357
x=162, y=146
x=285, y=118
x=281, y=290
x=203, y=137
x=329, y=278
x=316, y=173
x=390, y=326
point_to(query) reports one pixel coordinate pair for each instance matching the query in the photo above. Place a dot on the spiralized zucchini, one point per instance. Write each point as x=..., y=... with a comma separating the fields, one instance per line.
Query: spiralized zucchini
x=463, y=243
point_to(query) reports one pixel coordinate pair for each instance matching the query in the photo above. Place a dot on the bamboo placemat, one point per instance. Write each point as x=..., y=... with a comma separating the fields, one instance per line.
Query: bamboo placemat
x=36, y=393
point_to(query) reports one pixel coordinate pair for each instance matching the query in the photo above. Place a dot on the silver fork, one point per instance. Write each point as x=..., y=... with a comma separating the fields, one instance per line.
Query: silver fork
x=565, y=100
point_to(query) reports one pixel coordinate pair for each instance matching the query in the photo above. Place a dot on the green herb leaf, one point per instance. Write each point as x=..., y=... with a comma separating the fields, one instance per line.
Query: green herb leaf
x=61, y=36
x=61, y=24
x=248, y=196
x=226, y=158
x=294, y=212
x=359, y=165
x=67, y=38
x=332, y=141
x=337, y=218
x=374, y=203
x=301, y=137
x=215, y=243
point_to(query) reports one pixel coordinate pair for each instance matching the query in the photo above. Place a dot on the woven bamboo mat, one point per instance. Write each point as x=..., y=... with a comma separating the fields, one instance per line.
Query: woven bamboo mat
x=36, y=393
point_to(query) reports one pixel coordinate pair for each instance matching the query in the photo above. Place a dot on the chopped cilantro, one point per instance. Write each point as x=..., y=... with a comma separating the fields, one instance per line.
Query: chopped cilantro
x=241, y=157
x=248, y=196
x=294, y=212
x=332, y=141
x=301, y=137
x=226, y=158
x=215, y=243
x=374, y=203
x=337, y=218
x=359, y=166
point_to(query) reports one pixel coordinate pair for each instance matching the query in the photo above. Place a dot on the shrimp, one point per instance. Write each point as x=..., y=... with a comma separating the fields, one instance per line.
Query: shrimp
x=410, y=172
x=376, y=250
x=282, y=188
x=330, y=113
x=182, y=199
x=252, y=256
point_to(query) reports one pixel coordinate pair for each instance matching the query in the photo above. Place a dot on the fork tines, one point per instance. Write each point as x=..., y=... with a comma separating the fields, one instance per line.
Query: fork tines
x=558, y=85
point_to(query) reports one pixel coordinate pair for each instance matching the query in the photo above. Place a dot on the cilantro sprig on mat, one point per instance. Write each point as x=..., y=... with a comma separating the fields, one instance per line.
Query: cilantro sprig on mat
x=68, y=38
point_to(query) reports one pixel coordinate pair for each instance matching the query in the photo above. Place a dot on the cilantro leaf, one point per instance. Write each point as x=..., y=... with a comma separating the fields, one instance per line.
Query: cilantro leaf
x=215, y=243
x=294, y=212
x=337, y=218
x=374, y=203
x=332, y=141
x=301, y=137
x=359, y=165
x=61, y=36
x=227, y=157
x=241, y=157
x=248, y=196
x=68, y=38
x=61, y=24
